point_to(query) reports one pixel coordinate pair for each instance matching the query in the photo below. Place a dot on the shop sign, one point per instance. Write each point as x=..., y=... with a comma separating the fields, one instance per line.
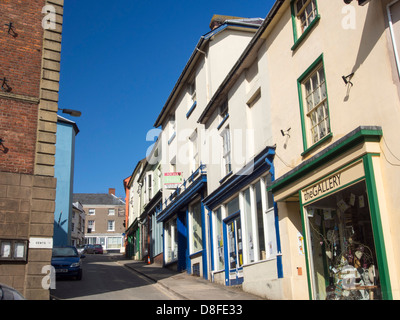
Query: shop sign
x=332, y=182
x=172, y=180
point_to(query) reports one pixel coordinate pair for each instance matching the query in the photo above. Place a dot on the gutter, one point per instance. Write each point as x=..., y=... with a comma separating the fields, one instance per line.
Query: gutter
x=396, y=54
x=274, y=10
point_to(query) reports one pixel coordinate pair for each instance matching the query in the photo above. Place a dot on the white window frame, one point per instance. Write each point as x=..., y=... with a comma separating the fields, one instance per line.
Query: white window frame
x=315, y=105
x=112, y=225
x=111, y=211
x=191, y=228
x=305, y=15
x=195, y=163
x=92, y=225
x=92, y=212
x=226, y=151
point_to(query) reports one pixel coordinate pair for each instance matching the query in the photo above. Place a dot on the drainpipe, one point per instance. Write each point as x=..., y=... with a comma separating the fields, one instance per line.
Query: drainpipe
x=396, y=54
x=271, y=153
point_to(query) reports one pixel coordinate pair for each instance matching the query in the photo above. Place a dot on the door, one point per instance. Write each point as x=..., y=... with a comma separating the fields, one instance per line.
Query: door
x=234, y=261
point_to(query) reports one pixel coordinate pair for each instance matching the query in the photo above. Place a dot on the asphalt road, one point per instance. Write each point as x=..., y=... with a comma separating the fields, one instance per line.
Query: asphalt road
x=106, y=279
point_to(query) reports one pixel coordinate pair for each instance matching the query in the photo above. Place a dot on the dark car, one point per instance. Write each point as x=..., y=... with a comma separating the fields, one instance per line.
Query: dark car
x=8, y=293
x=67, y=262
x=98, y=248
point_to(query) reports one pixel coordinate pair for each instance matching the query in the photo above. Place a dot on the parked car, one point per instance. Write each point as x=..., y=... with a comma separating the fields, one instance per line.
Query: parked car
x=94, y=248
x=8, y=293
x=67, y=262
x=81, y=249
x=98, y=248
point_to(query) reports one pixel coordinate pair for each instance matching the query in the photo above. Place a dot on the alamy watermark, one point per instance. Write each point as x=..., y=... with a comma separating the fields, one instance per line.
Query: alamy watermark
x=49, y=20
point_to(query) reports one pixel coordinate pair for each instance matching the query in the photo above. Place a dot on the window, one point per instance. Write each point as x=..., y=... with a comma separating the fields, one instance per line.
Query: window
x=171, y=240
x=196, y=227
x=92, y=212
x=149, y=185
x=314, y=104
x=114, y=242
x=91, y=226
x=223, y=114
x=219, y=238
x=304, y=17
x=226, y=154
x=194, y=150
x=110, y=225
x=172, y=129
x=111, y=212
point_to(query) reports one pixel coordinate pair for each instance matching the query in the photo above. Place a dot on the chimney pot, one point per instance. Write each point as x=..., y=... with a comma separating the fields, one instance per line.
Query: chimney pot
x=111, y=191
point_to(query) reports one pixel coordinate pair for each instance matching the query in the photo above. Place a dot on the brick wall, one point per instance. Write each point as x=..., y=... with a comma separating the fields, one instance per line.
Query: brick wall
x=30, y=61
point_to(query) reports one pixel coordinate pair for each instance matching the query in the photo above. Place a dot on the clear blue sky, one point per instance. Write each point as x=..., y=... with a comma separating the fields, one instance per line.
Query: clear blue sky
x=119, y=62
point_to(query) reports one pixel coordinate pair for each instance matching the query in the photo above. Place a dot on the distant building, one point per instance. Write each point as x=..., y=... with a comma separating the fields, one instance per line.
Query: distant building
x=105, y=217
x=77, y=224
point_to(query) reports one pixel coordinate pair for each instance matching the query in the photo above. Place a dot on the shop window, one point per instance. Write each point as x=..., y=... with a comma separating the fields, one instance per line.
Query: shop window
x=219, y=260
x=314, y=105
x=249, y=225
x=171, y=240
x=260, y=222
x=341, y=246
x=196, y=226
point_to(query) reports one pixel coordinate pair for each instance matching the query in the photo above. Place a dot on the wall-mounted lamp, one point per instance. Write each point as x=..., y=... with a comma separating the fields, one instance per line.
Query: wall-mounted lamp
x=347, y=79
x=5, y=149
x=11, y=30
x=73, y=113
x=286, y=133
x=4, y=86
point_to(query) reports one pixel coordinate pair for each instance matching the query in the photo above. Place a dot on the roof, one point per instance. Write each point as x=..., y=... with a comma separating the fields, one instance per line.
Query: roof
x=247, y=24
x=247, y=57
x=70, y=122
x=97, y=199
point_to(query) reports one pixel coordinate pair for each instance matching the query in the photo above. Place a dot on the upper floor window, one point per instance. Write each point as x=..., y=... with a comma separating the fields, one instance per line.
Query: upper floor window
x=314, y=104
x=226, y=152
x=111, y=212
x=304, y=17
x=92, y=212
x=110, y=225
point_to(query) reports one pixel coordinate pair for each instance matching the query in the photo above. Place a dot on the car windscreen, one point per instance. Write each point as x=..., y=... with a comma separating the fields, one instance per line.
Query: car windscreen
x=65, y=252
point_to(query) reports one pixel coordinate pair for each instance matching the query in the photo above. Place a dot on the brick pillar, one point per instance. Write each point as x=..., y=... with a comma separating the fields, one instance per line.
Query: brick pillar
x=30, y=61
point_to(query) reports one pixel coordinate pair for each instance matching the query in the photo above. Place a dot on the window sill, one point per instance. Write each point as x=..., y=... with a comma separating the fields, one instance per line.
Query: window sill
x=314, y=146
x=305, y=33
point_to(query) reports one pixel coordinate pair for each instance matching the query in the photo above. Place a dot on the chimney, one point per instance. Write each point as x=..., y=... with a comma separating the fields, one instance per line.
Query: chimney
x=111, y=191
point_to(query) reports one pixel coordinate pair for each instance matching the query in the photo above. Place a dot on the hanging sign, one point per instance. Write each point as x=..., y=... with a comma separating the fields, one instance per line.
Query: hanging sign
x=333, y=182
x=172, y=180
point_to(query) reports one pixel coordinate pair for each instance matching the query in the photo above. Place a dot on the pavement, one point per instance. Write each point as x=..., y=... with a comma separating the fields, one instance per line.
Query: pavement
x=183, y=285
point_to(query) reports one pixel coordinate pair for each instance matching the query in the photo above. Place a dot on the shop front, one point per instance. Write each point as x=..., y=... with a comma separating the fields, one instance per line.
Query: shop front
x=344, y=237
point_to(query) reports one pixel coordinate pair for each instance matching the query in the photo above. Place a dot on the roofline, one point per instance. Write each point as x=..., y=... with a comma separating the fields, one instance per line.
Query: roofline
x=267, y=21
x=203, y=39
x=67, y=121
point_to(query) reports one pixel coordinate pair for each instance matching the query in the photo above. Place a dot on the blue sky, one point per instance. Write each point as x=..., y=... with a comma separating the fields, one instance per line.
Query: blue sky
x=119, y=62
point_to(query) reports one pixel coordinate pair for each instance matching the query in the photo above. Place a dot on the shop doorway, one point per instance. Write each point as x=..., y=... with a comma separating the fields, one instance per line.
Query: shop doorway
x=234, y=252
x=341, y=246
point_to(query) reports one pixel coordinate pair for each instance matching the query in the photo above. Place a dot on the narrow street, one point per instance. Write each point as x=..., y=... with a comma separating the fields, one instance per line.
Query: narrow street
x=105, y=279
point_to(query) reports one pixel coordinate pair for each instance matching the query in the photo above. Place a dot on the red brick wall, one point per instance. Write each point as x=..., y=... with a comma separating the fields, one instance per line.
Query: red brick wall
x=20, y=63
x=21, y=56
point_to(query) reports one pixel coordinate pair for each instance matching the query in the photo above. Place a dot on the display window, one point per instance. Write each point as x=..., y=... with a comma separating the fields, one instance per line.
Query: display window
x=341, y=247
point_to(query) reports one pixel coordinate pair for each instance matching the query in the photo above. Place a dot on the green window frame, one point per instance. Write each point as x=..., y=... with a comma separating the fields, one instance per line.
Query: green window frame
x=304, y=18
x=314, y=106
